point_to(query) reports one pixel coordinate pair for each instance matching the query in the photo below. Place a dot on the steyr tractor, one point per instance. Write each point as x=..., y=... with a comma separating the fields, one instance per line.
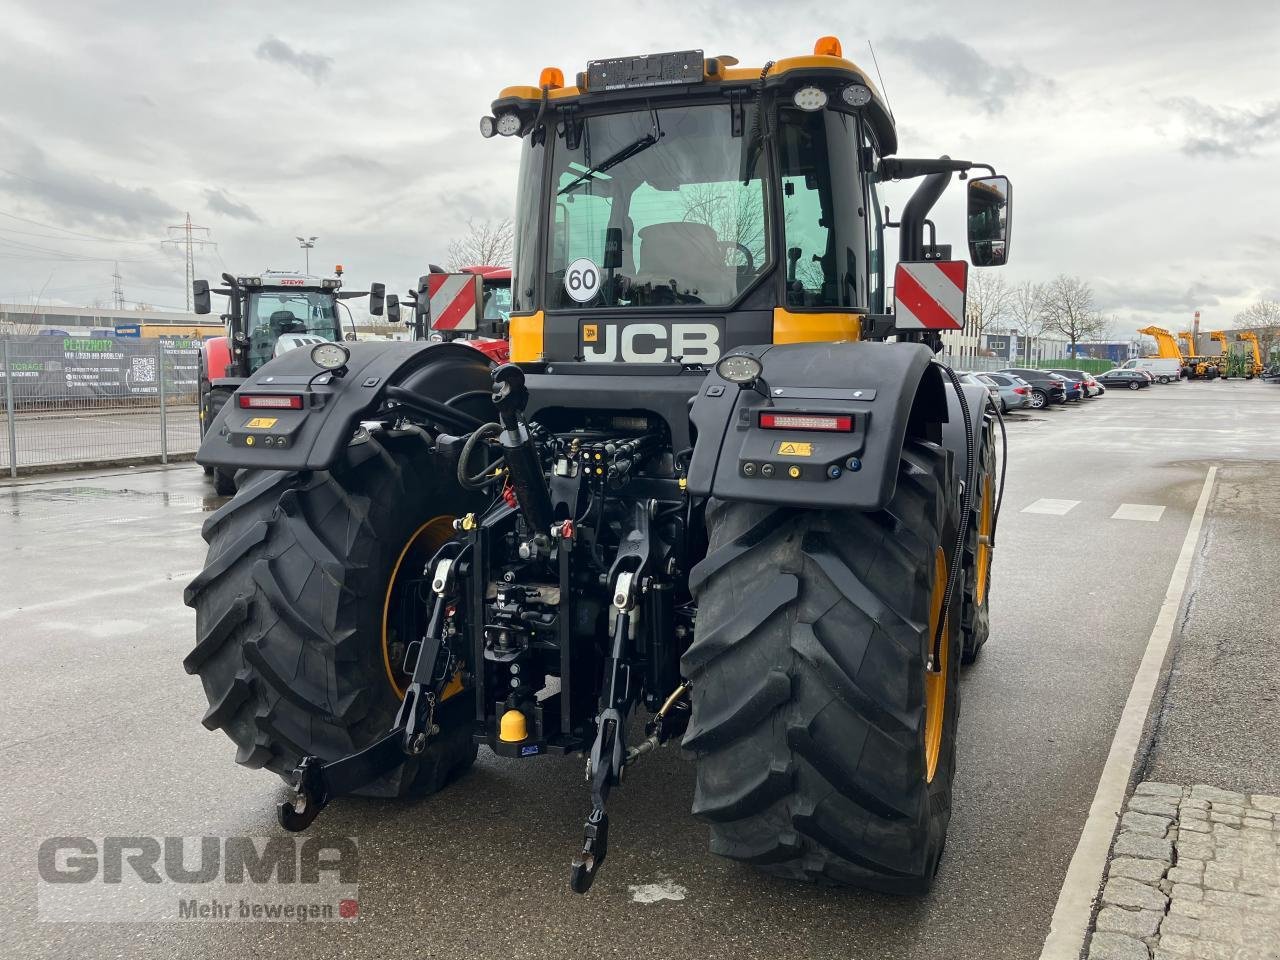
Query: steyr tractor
x=267, y=314
x=721, y=495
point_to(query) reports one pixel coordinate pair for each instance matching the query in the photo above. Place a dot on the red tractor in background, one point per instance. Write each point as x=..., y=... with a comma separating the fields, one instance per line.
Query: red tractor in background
x=268, y=314
x=471, y=305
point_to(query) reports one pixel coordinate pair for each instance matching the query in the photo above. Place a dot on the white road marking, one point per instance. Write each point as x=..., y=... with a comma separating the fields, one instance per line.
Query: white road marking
x=653, y=892
x=1138, y=511
x=1051, y=506
x=1071, y=916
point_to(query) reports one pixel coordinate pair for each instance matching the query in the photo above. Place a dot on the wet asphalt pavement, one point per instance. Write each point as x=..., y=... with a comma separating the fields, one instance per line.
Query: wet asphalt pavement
x=100, y=727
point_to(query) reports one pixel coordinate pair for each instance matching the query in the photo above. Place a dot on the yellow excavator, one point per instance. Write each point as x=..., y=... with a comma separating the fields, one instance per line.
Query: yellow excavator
x=1256, y=366
x=1199, y=368
x=1166, y=364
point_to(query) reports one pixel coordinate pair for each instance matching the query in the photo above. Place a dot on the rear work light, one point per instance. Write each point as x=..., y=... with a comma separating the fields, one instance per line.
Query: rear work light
x=252, y=401
x=835, y=423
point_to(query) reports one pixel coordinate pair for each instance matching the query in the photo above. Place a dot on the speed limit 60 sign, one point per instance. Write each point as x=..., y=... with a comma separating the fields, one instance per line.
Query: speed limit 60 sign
x=582, y=280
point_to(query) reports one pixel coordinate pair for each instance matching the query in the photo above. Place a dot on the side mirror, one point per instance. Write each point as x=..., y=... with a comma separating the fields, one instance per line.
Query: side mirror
x=990, y=200
x=393, y=308
x=200, y=288
x=377, y=298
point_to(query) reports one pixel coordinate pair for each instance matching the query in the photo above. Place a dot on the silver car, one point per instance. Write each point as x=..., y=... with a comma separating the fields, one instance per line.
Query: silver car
x=976, y=378
x=1015, y=393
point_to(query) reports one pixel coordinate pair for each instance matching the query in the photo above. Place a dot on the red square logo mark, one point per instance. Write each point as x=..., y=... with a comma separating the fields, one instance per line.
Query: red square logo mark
x=348, y=909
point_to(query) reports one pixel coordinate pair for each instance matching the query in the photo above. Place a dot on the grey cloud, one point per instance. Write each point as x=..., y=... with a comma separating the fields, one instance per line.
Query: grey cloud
x=313, y=65
x=1113, y=295
x=219, y=202
x=27, y=171
x=964, y=72
x=1225, y=132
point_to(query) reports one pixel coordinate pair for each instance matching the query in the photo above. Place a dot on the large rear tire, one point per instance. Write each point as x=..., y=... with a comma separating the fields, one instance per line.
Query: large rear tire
x=826, y=751
x=291, y=620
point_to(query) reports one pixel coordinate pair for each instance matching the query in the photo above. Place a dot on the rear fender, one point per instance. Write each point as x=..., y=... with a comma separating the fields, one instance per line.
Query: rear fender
x=888, y=389
x=313, y=437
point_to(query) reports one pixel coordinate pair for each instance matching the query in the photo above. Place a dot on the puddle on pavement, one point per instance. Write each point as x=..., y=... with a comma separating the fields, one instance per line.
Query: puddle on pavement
x=43, y=500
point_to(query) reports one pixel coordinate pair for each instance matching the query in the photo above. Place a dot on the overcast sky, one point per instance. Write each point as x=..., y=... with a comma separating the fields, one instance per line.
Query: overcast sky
x=1142, y=138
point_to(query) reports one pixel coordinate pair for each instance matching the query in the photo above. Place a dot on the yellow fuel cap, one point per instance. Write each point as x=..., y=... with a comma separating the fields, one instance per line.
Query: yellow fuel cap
x=512, y=727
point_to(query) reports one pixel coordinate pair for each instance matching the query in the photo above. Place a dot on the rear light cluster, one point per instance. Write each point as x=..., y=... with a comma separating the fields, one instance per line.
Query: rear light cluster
x=1019, y=390
x=260, y=401
x=833, y=423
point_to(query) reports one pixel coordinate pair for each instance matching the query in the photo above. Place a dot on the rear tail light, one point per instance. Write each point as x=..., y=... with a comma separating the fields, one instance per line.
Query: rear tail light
x=835, y=423
x=1019, y=390
x=259, y=401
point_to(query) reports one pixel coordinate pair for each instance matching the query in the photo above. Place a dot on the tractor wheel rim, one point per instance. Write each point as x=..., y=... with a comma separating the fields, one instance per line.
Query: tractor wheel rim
x=986, y=520
x=424, y=541
x=935, y=681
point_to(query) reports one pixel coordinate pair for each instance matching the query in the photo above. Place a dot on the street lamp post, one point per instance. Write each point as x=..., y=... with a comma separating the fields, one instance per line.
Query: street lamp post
x=307, y=243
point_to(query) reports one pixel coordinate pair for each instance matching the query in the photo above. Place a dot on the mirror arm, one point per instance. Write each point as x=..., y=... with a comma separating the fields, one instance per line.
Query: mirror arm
x=905, y=168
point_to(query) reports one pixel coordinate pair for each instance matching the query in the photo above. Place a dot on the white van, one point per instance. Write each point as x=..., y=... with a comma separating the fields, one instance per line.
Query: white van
x=1164, y=369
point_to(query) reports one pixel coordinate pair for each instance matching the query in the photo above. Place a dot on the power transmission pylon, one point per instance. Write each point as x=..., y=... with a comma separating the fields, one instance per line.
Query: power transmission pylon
x=190, y=237
x=117, y=291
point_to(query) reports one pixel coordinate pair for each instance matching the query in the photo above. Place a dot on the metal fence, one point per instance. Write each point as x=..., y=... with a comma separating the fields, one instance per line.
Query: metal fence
x=69, y=400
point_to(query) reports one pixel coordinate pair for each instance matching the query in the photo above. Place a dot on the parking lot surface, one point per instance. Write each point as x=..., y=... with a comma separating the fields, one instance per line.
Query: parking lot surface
x=102, y=736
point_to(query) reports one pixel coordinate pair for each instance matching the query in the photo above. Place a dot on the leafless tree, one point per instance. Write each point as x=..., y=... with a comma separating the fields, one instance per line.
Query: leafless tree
x=487, y=243
x=1069, y=310
x=1025, y=311
x=736, y=216
x=988, y=302
x=1263, y=318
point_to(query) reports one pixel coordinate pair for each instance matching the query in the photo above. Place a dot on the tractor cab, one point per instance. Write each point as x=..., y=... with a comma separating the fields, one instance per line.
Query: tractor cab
x=675, y=206
x=268, y=314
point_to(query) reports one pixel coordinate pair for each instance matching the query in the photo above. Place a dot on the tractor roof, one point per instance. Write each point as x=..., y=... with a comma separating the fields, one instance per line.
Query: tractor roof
x=826, y=67
x=289, y=278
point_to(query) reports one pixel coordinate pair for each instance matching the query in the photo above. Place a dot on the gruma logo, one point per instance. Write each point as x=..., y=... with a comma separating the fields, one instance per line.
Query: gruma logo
x=642, y=342
x=211, y=879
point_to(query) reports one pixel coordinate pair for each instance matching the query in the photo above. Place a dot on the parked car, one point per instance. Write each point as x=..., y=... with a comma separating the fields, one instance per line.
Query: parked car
x=1133, y=379
x=1081, y=376
x=1164, y=369
x=1074, y=387
x=1046, y=388
x=1015, y=393
x=992, y=390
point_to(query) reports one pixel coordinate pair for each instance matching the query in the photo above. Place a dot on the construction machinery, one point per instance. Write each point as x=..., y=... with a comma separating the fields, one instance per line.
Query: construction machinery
x=268, y=314
x=708, y=490
x=1195, y=367
x=1251, y=357
x=1167, y=350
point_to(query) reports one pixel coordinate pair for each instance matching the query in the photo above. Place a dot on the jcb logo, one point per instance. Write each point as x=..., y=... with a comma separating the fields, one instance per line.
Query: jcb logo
x=650, y=342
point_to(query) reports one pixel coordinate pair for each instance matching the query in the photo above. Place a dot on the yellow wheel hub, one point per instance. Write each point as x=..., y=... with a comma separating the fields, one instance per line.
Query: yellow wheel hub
x=425, y=541
x=935, y=681
x=986, y=520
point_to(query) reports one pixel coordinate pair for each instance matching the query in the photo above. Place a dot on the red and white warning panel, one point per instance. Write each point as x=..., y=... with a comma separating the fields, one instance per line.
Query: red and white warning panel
x=456, y=300
x=929, y=295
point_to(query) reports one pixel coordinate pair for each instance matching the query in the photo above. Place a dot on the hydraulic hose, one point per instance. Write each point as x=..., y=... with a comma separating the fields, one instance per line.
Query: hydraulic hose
x=486, y=476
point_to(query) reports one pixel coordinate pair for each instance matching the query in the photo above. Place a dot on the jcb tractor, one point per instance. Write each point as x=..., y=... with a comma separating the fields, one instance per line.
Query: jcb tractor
x=268, y=313
x=707, y=494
